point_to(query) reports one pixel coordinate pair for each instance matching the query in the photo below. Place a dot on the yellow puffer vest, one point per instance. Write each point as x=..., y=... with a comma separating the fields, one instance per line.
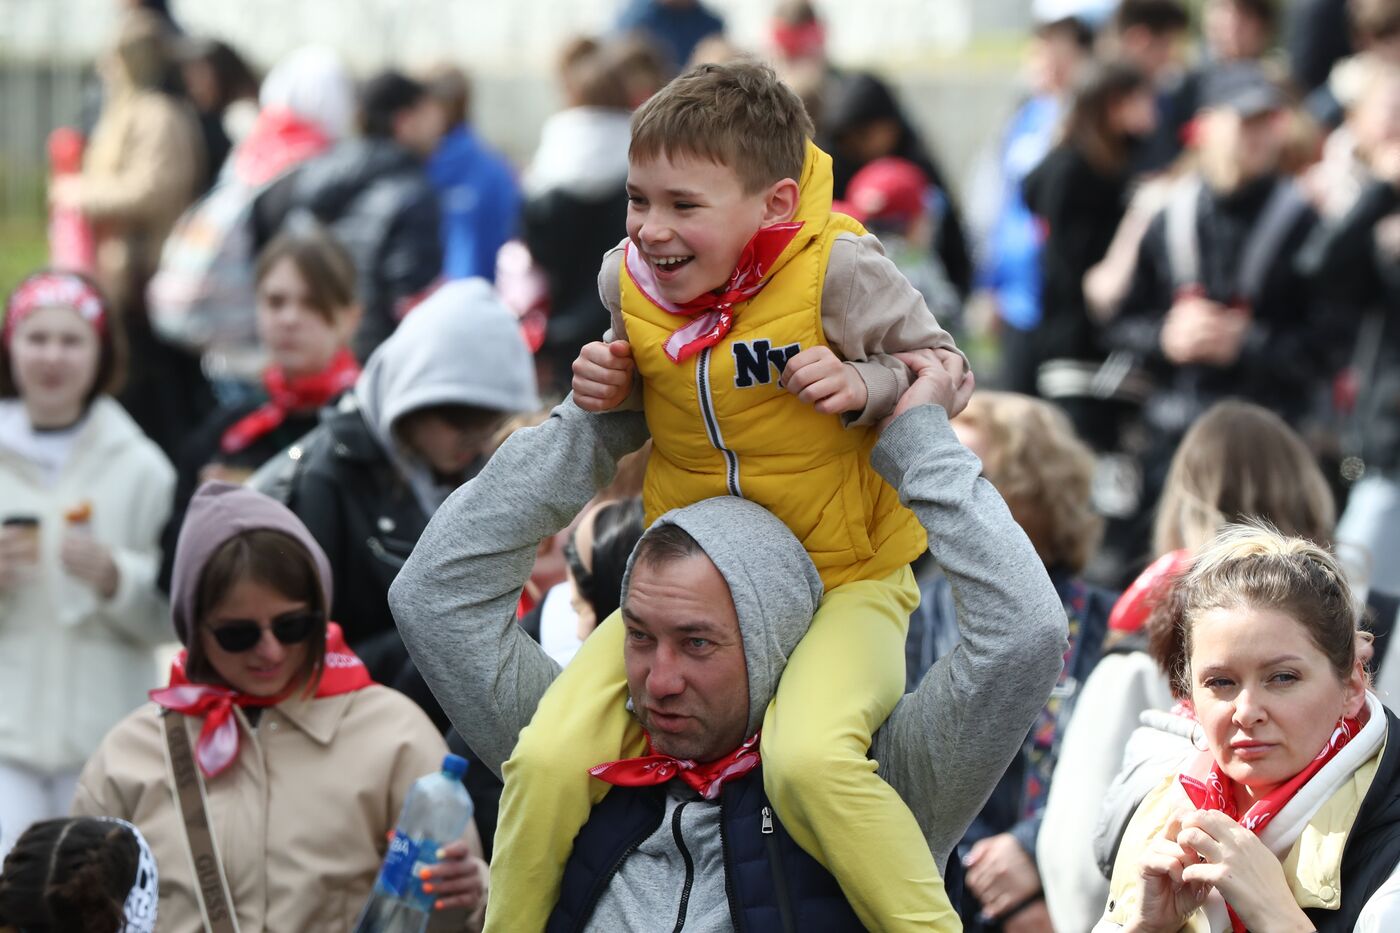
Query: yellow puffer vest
x=721, y=425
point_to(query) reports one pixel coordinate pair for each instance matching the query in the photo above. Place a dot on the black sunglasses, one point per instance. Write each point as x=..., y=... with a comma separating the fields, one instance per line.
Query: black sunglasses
x=291, y=629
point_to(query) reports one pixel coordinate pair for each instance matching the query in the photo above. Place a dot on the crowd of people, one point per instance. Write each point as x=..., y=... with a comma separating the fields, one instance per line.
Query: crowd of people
x=653, y=477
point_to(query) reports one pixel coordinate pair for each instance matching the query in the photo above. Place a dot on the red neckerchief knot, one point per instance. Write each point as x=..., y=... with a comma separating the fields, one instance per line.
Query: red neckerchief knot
x=217, y=747
x=286, y=395
x=1217, y=791
x=712, y=314
x=705, y=779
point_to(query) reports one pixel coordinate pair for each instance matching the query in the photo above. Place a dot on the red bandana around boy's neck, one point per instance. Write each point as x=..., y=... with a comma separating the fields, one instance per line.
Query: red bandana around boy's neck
x=217, y=747
x=712, y=314
x=1217, y=791
x=286, y=395
x=654, y=768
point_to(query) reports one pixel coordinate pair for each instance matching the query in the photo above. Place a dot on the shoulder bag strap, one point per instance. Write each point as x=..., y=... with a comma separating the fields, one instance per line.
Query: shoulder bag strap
x=1266, y=238
x=1183, y=242
x=187, y=787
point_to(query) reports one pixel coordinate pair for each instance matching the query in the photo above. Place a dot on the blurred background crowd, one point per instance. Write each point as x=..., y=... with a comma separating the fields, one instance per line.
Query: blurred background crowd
x=1167, y=232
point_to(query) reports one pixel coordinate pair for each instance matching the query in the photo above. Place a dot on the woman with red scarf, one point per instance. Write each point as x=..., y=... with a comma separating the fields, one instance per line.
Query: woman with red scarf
x=306, y=314
x=302, y=762
x=1288, y=816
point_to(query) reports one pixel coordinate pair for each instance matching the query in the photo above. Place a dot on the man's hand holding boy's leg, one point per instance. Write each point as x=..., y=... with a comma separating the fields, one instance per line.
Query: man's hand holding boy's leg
x=823, y=380
x=603, y=375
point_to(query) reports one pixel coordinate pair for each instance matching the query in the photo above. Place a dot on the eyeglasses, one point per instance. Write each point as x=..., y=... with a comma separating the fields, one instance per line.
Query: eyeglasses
x=291, y=629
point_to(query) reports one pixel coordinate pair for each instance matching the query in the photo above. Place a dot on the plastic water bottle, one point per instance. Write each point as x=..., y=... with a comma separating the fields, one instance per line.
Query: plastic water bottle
x=435, y=813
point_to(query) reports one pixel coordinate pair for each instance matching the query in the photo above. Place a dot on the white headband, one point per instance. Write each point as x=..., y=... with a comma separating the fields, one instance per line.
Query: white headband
x=139, y=912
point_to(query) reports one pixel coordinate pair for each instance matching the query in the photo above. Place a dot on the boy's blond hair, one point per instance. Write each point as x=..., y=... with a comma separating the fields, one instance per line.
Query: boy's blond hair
x=738, y=115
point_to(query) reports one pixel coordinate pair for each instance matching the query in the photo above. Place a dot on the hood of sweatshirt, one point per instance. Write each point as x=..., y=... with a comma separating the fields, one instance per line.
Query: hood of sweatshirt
x=459, y=347
x=218, y=512
x=772, y=581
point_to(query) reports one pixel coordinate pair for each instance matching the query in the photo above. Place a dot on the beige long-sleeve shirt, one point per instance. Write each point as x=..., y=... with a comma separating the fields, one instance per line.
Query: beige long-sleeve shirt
x=869, y=312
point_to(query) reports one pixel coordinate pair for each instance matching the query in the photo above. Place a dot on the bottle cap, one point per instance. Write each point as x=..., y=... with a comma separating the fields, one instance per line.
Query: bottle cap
x=454, y=765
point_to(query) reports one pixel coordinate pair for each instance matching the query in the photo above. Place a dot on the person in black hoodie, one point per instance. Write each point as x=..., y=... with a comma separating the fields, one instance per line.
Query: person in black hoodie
x=374, y=194
x=1217, y=306
x=1079, y=193
x=864, y=122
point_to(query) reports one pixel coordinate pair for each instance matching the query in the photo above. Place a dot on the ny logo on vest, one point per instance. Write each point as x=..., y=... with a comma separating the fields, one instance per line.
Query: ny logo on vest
x=754, y=361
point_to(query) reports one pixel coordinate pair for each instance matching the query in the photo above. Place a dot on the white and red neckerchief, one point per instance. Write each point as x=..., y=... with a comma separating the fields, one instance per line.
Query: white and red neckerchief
x=1217, y=791
x=217, y=747
x=712, y=313
x=54, y=290
x=705, y=779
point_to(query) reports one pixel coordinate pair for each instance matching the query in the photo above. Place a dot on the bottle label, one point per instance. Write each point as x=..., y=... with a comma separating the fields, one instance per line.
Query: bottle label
x=396, y=875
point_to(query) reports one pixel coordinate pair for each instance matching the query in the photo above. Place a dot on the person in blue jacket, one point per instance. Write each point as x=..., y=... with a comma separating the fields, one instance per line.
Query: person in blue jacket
x=477, y=188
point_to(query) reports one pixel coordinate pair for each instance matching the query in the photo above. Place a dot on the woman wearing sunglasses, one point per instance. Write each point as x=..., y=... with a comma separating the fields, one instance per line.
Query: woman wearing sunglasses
x=304, y=761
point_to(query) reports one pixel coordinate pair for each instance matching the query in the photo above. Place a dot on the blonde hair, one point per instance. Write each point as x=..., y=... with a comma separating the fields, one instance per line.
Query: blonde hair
x=1254, y=566
x=738, y=115
x=1237, y=462
x=1043, y=470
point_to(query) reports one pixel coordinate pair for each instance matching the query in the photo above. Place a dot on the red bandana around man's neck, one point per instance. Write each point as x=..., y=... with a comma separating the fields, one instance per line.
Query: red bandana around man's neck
x=217, y=748
x=654, y=768
x=286, y=395
x=712, y=314
x=1217, y=791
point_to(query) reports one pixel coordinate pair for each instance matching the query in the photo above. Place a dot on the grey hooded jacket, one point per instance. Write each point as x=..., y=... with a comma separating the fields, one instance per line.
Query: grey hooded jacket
x=943, y=747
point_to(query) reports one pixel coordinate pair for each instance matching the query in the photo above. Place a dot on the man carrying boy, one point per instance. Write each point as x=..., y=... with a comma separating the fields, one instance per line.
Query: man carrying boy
x=759, y=321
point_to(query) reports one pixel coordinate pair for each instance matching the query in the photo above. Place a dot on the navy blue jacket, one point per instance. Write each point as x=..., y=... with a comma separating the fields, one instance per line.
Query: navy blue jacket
x=771, y=883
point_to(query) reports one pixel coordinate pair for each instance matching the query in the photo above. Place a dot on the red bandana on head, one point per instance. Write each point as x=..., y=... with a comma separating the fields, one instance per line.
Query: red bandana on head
x=712, y=314
x=705, y=779
x=54, y=290
x=1217, y=791
x=288, y=395
x=217, y=747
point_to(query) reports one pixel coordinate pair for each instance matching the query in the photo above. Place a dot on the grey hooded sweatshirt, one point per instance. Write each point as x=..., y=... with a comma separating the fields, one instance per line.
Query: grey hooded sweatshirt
x=944, y=746
x=461, y=346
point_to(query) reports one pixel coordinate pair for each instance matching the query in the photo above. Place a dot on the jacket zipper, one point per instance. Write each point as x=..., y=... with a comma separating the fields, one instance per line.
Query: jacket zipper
x=728, y=881
x=689, y=867
x=775, y=863
x=602, y=883
x=707, y=411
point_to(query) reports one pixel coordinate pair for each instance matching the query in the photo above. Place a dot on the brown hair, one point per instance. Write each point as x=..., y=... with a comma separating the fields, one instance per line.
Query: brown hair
x=1043, y=471
x=452, y=89
x=1254, y=566
x=1375, y=19
x=665, y=544
x=589, y=79
x=1088, y=125
x=1237, y=462
x=69, y=876
x=111, y=352
x=1159, y=17
x=275, y=560
x=321, y=261
x=738, y=115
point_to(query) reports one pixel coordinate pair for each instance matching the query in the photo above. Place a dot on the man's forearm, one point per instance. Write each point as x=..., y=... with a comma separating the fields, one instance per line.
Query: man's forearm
x=455, y=599
x=947, y=743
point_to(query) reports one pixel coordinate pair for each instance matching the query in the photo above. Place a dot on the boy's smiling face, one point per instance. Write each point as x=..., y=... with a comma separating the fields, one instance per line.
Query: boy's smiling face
x=690, y=218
